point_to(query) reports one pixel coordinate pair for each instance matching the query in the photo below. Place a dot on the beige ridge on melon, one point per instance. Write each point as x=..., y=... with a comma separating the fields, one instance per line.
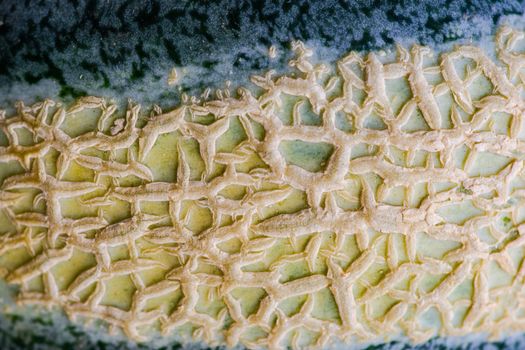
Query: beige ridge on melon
x=383, y=197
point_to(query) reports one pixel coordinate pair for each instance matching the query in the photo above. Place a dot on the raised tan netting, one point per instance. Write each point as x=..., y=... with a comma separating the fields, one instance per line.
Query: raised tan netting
x=384, y=196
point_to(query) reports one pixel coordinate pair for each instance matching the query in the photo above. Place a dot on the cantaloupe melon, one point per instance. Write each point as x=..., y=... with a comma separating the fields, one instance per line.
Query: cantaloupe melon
x=378, y=198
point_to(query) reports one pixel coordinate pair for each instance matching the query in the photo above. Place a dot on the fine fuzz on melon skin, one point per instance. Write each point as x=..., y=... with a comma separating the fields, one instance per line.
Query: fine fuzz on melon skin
x=380, y=198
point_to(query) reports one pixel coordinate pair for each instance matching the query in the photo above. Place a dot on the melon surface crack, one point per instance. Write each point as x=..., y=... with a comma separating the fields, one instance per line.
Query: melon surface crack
x=380, y=197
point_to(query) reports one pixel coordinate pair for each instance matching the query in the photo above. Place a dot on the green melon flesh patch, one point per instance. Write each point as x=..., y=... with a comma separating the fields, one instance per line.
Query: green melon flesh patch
x=379, y=198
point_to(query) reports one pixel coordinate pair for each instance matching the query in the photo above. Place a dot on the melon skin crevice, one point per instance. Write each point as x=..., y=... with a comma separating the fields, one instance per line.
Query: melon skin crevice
x=380, y=198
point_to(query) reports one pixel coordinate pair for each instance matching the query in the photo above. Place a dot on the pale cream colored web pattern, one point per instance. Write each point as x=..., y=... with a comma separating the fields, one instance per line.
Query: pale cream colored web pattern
x=258, y=238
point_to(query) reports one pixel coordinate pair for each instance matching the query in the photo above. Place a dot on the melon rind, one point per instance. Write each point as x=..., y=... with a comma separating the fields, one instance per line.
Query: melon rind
x=378, y=198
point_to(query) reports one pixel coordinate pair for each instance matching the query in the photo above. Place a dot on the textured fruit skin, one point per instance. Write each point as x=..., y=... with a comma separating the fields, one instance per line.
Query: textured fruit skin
x=261, y=220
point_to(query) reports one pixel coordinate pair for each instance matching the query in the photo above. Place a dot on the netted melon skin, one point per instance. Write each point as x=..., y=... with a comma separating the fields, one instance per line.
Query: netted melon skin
x=383, y=197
